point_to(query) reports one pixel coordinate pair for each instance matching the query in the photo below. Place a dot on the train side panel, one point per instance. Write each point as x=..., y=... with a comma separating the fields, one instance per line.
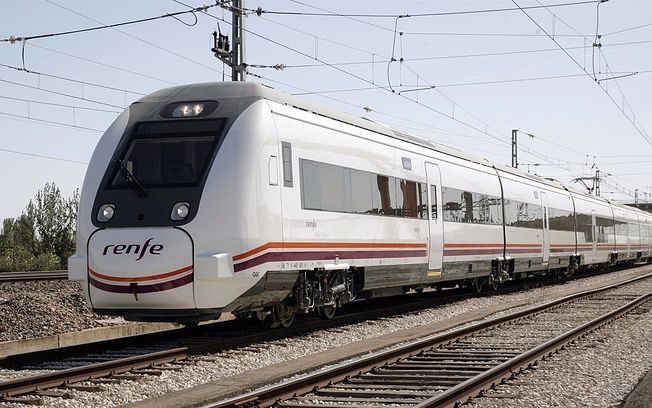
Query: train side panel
x=596, y=238
x=472, y=216
x=348, y=201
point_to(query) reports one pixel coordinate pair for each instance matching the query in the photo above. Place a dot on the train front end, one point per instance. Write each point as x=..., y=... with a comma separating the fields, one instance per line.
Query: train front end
x=156, y=229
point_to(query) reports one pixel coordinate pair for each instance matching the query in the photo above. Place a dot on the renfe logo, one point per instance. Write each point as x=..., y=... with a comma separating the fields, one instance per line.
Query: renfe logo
x=136, y=249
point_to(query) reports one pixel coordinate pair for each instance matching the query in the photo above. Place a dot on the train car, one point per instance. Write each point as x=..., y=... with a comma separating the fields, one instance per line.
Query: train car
x=539, y=224
x=232, y=197
x=596, y=233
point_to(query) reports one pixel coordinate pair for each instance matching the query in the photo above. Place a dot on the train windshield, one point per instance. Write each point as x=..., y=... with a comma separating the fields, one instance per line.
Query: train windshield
x=165, y=160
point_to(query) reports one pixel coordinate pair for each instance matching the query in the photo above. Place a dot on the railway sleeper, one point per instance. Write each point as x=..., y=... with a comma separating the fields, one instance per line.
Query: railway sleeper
x=51, y=393
x=388, y=389
x=433, y=371
x=472, y=359
x=126, y=377
x=447, y=367
x=472, y=347
x=398, y=375
x=289, y=404
x=427, y=361
x=374, y=399
x=22, y=400
x=105, y=381
x=369, y=379
x=172, y=367
x=148, y=371
x=335, y=391
x=468, y=354
x=84, y=387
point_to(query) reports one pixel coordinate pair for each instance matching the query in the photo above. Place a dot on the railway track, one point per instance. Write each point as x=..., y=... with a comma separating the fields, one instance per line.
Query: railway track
x=89, y=369
x=448, y=369
x=33, y=276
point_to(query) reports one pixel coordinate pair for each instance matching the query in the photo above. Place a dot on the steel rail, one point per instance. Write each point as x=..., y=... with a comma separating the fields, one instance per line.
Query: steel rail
x=27, y=385
x=33, y=276
x=34, y=384
x=473, y=386
x=268, y=395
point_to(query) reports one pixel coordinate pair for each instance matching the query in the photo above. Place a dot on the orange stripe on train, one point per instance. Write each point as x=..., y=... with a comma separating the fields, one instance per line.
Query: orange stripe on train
x=312, y=245
x=139, y=278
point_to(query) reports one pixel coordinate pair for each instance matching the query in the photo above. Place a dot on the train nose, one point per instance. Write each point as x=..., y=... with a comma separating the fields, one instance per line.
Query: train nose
x=143, y=268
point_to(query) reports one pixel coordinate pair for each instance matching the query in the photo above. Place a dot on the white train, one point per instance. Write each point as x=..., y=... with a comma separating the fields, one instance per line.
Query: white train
x=217, y=197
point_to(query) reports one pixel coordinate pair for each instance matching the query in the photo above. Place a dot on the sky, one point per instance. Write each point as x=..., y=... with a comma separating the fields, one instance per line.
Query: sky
x=464, y=75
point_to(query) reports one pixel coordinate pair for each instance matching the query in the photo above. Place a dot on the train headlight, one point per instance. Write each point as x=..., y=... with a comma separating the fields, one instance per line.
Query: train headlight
x=188, y=110
x=192, y=109
x=106, y=213
x=180, y=211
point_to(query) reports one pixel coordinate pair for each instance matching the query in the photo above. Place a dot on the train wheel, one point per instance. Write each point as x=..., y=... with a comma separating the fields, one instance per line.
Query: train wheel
x=562, y=274
x=280, y=316
x=418, y=290
x=494, y=283
x=326, y=312
x=477, y=285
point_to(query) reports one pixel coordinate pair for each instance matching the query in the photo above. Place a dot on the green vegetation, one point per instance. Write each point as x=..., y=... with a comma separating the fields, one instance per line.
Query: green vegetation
x=43, y=237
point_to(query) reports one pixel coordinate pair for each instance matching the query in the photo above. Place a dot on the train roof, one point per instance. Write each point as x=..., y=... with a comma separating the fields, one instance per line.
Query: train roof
x=254, y=91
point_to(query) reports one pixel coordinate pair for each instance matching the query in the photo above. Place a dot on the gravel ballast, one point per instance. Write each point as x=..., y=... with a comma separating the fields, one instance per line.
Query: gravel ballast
x=263, y=355
x=44, y=308
x=599, y=370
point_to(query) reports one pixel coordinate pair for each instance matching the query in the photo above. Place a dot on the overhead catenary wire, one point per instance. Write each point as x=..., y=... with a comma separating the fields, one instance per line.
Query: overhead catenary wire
x=42, y=156
x=102, y=64
x=433, y=14
x=574, y=149
x=554, y=143
x=357, y=77
x=628, y=29
x=444, y=57
x=402, y=60
x=58, y=104
x=381, y=113
x=192, y=9
x=290, y=48
x=392, y=59
x=81, y=98
x=633, y=121
x=13, y=39
x=78, y=81
x=322, y=64
x=52, y=122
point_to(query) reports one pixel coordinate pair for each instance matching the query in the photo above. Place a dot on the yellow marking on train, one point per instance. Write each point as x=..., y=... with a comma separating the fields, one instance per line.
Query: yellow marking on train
x=434, y=273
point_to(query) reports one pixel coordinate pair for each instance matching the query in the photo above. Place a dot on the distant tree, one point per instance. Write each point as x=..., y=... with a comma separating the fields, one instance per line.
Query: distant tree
x=55, y=220
x=5, y=233
x=17, y=258
x=43, y=237
x=23, y=232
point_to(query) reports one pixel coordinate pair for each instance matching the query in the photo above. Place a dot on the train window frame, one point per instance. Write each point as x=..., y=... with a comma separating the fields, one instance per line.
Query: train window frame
x=166, y=131
x=433, y=202
x=384, y=191
x=469, y=207
x=286, y=159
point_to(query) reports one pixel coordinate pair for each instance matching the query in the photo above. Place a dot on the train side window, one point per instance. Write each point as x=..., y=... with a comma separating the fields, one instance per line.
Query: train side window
x=433, y=201
x=423, y=200
x=287, y=164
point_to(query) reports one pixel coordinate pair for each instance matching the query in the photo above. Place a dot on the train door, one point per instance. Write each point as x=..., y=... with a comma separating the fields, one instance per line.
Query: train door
x=546, y=229
x=628, y=235
x=595, y=231
x=435, y=222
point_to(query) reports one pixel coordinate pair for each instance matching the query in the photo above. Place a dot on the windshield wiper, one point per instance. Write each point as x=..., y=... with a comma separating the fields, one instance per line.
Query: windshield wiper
x=131, y=179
